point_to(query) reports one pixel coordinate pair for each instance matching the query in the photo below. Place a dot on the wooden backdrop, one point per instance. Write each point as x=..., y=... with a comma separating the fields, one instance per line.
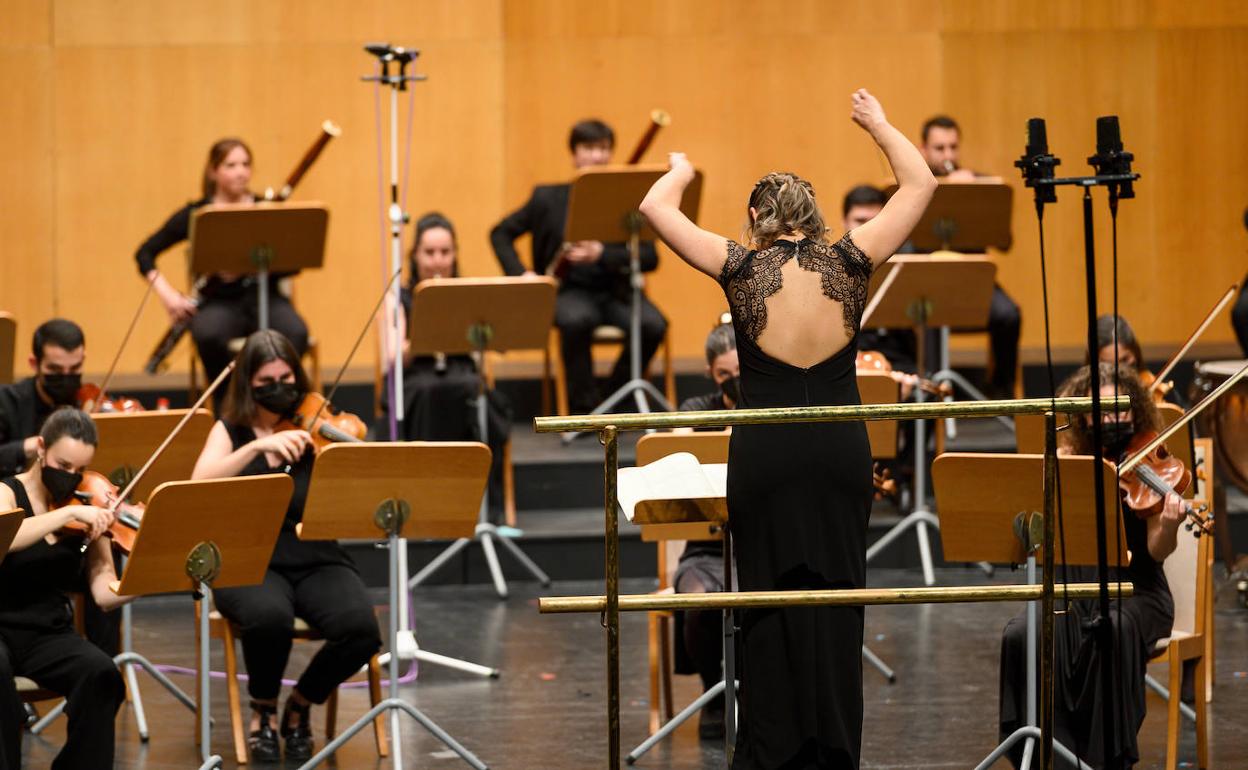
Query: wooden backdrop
x=110, y=107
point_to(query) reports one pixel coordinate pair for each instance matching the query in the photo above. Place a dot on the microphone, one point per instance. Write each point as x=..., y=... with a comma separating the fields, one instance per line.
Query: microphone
x=1110, y=158
x=1036, y=162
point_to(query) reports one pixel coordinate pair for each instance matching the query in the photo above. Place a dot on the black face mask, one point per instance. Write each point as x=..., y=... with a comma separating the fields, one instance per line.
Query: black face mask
x=60, y=484
x=61, y=388
x=280, y=398
x=731, y=388
x=1115, y=437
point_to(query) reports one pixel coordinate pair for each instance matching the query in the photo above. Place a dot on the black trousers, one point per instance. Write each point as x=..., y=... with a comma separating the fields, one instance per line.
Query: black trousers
x=221, y=319
x=1239, y=316
x=1005, y=323
x=331, y=598
x=66, y=663
x=578, y=311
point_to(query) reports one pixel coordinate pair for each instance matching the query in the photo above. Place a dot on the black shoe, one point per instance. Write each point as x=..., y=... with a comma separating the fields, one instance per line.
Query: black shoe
x=262, y=744
x=298, y=737
x=711, y=720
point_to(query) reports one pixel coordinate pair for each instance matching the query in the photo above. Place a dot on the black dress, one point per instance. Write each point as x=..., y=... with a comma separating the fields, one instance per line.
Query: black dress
x=799, y=497
x=1138, y=622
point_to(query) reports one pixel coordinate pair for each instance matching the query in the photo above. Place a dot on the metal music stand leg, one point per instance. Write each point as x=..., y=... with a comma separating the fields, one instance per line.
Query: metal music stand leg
x=637, y=386
x=878, y=663
x=210, y=760
x=394, y=704
x=947, y=374
x=486, y=532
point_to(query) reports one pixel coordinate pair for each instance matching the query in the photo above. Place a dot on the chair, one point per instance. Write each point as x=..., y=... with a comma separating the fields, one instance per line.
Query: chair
x=1188, y=572
x=604, y=336
x=8, y=342
x=227, y=632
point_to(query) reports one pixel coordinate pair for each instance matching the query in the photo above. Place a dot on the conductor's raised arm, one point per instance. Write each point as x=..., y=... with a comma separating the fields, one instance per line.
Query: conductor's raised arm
x=880, y=238
x=704, y=250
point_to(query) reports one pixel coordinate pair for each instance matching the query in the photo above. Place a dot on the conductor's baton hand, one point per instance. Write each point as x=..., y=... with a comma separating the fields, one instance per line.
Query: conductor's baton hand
x=867, y=111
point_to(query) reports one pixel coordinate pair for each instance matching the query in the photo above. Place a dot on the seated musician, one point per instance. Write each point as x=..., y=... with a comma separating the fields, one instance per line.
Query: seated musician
x=1139, y=621
x=227, y=306
x=1239, y=311
x=37, y=637
x=595, y=291
x=724, y=370
x=315, y=580
x=941, y=147
x=1117, y=343
x=440, y=391
x=57, y=352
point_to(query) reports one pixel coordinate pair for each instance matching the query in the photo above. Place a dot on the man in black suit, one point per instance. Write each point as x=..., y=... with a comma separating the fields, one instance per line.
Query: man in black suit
x=58, y=350
x=594, y=291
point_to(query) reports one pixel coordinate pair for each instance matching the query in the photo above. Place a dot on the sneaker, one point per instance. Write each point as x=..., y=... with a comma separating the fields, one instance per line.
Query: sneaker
x=298, y=737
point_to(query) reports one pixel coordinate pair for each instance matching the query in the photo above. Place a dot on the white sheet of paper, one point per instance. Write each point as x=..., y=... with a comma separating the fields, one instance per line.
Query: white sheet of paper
x=674, y=477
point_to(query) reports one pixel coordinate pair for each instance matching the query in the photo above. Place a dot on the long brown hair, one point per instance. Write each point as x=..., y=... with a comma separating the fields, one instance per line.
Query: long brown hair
x=784, y=203
x=216, y=156
x=1144, y=415
x=261, y=347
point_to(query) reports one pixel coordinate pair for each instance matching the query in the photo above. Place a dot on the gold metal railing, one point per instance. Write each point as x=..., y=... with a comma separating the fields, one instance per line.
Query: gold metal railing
x=608, y=428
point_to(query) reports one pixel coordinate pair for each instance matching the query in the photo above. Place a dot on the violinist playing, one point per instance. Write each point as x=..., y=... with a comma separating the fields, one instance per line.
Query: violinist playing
x=315, y=580
x=57, y=352
x=1139, y=621
x=227, y=306
x=1111, y=329
x=37, y=637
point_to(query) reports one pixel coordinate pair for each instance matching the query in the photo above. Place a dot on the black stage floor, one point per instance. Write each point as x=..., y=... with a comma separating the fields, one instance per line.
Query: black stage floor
x=547, y=709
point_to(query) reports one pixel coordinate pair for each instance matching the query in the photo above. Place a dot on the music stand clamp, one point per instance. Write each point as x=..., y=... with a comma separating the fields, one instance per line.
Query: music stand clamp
x=447, y=478
x=197, y=535
x=126, y=440
x=602, y=206
x=989, y=506
x=920, y=292
x=475, y=315
x=258, y=240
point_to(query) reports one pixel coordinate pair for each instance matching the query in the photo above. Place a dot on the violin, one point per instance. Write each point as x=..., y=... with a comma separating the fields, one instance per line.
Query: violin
x=1158, y=390
x=95, y=489
x=875, y=361
x=328, y=426
x=1144, y=485
x=92, y=400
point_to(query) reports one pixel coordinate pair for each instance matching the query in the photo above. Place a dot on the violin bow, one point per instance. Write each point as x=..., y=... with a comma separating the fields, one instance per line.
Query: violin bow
x=112, y=368
x=1191, y=340
x=333, y=388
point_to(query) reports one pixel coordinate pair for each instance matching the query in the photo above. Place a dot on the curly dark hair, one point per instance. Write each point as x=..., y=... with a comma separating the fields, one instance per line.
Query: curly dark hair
x=1144, y=416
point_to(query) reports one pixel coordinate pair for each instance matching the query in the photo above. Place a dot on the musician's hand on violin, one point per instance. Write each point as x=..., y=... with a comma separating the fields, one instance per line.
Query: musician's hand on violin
x=583, y=252
x=97, y=520
x=289, y=445
x=1172, y=513
x=680, y=166
x=867, y=111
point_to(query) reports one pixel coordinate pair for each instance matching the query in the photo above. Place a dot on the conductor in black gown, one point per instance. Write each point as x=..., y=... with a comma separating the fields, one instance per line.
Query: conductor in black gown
x=799, y=495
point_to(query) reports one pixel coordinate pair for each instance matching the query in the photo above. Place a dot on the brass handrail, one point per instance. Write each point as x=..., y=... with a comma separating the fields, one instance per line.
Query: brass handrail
x=736, y=600
x=925, y=410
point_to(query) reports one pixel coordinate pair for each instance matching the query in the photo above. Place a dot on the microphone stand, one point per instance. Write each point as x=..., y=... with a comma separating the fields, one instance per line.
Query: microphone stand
x=1113, y=167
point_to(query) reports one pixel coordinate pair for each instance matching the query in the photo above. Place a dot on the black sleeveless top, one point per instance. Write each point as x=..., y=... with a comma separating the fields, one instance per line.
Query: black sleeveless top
x=290, y=552
x=34, y=580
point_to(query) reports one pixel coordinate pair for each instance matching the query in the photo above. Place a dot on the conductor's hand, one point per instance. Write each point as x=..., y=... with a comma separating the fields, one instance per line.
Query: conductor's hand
x=1172, y=511
x=98, y=520
x=583, y=252
x=680, y=166
x=289, y=445
x=867, y=111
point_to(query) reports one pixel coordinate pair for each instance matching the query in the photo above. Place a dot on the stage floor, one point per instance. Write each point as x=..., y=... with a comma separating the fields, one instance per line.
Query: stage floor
x=547, y=709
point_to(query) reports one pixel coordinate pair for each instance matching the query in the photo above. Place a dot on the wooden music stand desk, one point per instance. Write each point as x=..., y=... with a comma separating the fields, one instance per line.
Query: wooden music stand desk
x=10, y=522
x=965, y=217
x=200, y=535
x=261, y=239
x=920, y=292
x=602, y=206
x=461, y=315
x=389, y=491
x=127, y=439
x=986, y=504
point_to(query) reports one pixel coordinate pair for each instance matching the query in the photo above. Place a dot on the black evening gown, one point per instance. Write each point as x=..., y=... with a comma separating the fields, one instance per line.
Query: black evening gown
x=799, y=497
x=1138, y=622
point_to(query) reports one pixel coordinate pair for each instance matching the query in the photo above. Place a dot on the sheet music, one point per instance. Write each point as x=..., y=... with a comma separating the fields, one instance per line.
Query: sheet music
x=674, y=477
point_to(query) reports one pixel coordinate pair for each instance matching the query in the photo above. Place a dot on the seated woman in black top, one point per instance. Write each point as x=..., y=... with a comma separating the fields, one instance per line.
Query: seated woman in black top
x=440, y=391
x=227, y=305
x=37, y=638
x=315, y=580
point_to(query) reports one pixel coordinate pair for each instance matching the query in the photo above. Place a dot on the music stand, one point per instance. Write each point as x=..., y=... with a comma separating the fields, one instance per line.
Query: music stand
x=919, y=292
x=964, y=217
x=369, y=490
x=200, y=535
x=10, y=522
x=990, y=508
x=259, y=240
x=126, y=441
x=602, y=206
x=463, y=315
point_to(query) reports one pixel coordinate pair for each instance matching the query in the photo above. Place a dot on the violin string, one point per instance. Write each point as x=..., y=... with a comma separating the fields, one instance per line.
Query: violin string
x=1048, y=356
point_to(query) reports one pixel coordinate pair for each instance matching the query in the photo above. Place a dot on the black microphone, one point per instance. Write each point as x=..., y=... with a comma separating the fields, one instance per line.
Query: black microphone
x=1110, y=159
x=382, y=51
x=1037, y=137
x=1108, y=135
x=1036, y=162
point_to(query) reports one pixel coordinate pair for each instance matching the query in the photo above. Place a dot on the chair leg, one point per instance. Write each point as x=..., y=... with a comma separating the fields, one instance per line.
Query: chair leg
x=509, y=486
x=374, y=697
x=666, y=666
x=1202, y=711
x=235, y=699
x=331, y=716
x=654, y=656
x=546, y=380
x=561, y=379
x=1172, y=708
x=669, y=375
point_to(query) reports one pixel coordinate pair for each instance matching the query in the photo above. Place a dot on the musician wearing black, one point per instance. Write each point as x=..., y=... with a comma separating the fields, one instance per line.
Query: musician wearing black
x=227, y=306
x=1239, y=311
x=440, y=391
x=57, y=353
x=941, y=147
x=595, y=290
x=44, y=563
x=1138, y=621
x=315, y=580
